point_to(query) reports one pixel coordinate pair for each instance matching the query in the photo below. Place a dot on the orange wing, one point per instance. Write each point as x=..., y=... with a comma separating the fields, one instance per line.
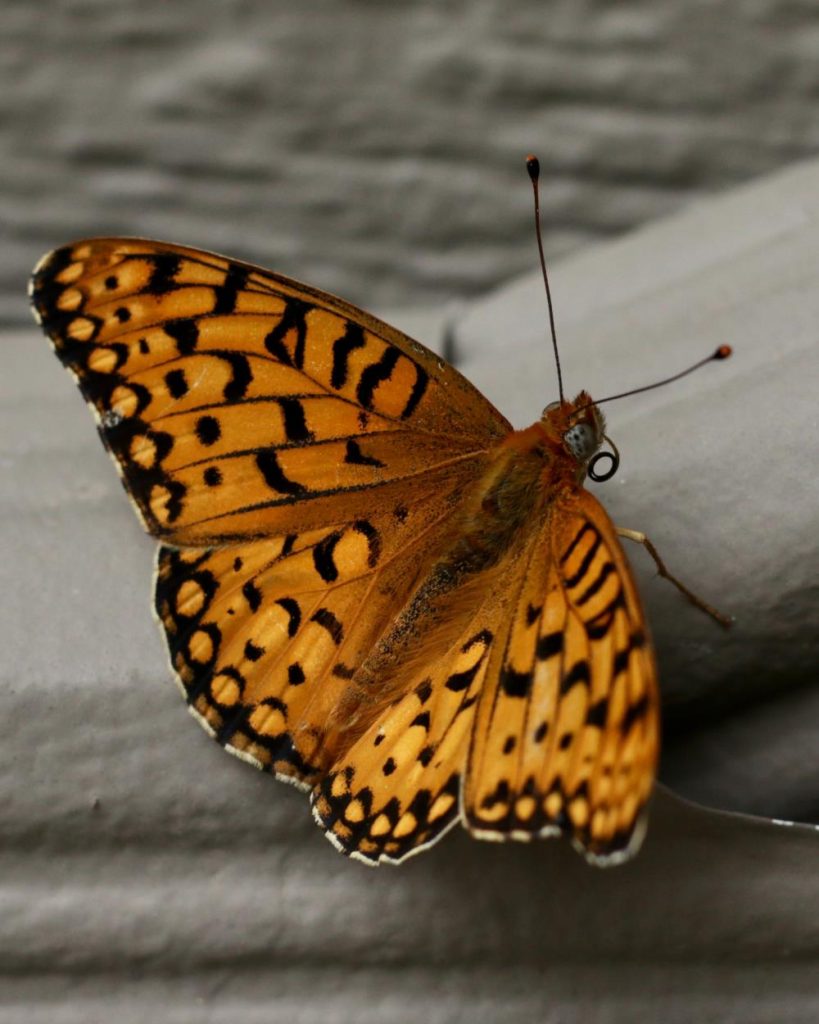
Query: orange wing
x=566, y=733
x=323, y=617
x=237, y=402
x=266, y=637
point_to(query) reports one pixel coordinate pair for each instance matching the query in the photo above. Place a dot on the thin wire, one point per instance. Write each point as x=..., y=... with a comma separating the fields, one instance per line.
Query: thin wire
x=533, y=167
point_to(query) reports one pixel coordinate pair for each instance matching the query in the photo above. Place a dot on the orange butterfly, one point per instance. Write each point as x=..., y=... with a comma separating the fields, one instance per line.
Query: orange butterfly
x=369, y=584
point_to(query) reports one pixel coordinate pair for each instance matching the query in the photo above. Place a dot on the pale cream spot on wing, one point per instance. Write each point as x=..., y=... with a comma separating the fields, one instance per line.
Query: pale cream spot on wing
x=579, y=812
x=124, y=401
x=200, y=646
x=339, y=786
x=190, y=598
x=381, y=826
x=355, y=811
x=225, y=690
x=70, y=273
x=81, y=328
x=143, y=450
x=70, y=299
x=267, y=720
x=440, y=806
x=553, y=804
x=407, y=824
x=103, y=360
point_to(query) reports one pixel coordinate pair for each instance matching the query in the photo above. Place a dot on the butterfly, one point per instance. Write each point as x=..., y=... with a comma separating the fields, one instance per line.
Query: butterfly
x=369, y=584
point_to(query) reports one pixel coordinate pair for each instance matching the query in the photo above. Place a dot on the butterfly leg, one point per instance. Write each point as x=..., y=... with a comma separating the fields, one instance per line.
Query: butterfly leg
x=640, y=538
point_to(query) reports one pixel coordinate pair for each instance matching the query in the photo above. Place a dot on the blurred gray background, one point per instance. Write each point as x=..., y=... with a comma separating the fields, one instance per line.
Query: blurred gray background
x=376, y=150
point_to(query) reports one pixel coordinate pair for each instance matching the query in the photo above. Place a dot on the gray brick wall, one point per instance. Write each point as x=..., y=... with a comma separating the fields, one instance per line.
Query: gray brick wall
x=376, y=149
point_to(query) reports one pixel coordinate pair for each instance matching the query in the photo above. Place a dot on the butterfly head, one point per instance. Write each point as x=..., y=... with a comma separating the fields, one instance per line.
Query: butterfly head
x=579, y=428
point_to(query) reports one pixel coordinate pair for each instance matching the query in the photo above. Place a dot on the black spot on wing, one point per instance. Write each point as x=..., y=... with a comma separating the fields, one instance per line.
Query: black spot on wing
x=295, y=424
x=634, y=714
x=581, y=533
x=596, y=715
x=578, y=673
x=375, y=374
x=417, y=393
x=352, y=339
x=354, y=456
x=484, y=637
x=515, y=684
x=459, y=681
x=424, y=690
x=325, y=618
x=208, y=430
x=295, y=674
x=291, y=606
x=226, y=294
x=323, y=557
x=597, y=585
x=598, y=626
x=293, y=319
x=253, y=651
x=176, y=383
x=500, y=795
x=166, y=267
x=549, y=645
x=184, y=332
x=240, y=375
x=583, y=568
x=268, y=463
x=367, y=530
x=252, y=595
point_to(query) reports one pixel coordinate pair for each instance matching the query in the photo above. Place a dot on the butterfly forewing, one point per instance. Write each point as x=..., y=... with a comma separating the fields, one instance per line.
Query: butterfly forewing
x=229, y=395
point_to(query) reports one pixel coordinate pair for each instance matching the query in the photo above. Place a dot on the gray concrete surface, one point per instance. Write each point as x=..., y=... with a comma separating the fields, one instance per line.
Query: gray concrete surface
x=376, y=148
x=148, y=876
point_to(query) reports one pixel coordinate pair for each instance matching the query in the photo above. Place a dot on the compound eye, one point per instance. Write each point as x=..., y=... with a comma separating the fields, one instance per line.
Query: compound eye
x=549, y=408
x=581, y=440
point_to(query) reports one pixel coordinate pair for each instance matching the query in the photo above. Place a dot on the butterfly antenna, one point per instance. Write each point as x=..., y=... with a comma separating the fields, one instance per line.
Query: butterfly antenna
x=723, y=352
x=533, y=167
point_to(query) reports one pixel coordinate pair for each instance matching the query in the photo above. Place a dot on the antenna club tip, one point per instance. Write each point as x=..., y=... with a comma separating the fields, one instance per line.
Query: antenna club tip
x=533, y=166
x=723, y=352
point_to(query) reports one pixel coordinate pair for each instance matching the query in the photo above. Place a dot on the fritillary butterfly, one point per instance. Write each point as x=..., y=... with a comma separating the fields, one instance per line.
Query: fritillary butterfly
x=370, y=585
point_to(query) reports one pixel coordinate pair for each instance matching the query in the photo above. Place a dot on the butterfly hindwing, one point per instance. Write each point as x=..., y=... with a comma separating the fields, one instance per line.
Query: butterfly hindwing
x=265, y=637
x=566, y=735
x=236, y=401
x=397, y=789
